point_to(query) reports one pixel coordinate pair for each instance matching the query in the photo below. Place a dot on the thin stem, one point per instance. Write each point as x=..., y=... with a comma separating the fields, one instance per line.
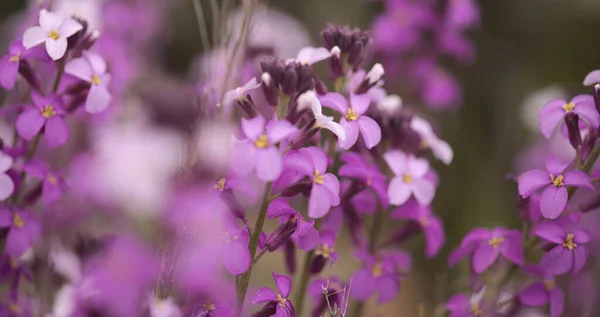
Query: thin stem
x=201, y=24
x=242, y=286
x=304, y=277
x=61, y=69
x=216, y=20
x=259, y=255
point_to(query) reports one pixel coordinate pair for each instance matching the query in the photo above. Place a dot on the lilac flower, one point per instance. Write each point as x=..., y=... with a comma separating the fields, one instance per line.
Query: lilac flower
x=9, y=64
x=53, y=31
x=46, y=113
x=570, y=252
x=24, y=230
x=440, y=148
x=309, y=55
x=303, y=232
x=357, y=167
x=53, y=184
x=430, y=223
x=309, y=100
x=284, y=305
x=380, y=274
x=91, y=68
x=554, y=196
x=410, y=178
x=462, y=14
x=259, y=151
x=486, y=245
x=240, y=92
x=234, y=250
x=353, y=119
x=554, y=111
x=592, y=78
x=7, y=186
x=540, y=293
x=325, y=253
x=461, y=305
x=312, y=162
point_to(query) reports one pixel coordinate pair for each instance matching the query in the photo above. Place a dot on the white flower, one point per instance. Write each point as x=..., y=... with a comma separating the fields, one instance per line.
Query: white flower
x=375, y=74
x=390, y=104
x=163, y=307
x=309, y=55
x=440, y=148
x=54, y=30
x=309, y=99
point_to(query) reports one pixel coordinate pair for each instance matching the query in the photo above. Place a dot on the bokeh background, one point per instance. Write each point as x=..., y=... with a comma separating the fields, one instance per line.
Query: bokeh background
x=522, y=46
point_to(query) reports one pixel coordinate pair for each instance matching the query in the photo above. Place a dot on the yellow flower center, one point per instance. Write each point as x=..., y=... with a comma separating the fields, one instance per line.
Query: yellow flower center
x=557, y=181
x=325, y=251
x=54, y=35
x=475, y=309
x=423, y=221
x=568, y=107
x=262, y=142
x=495, y=242
x=351, y=116
x=209, y=307
x=14, y=262
x=569, y=244
x=16, y=58
x=18, y=221
x=377, y=270
x=15, y=308
x=318, y=179
x=229, y=238
x=550, y=284
x=407, y=178
x=220, y=185
x=48, y=111
x=96, y=80
x=281, y=300
x=52, y=179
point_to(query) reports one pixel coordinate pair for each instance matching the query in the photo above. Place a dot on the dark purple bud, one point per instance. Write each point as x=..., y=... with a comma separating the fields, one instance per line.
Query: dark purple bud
x=297, y=188
x=353, y=43
x=320, y=87
x=76, y=101
x=318, y=264
x=305, y=78
x=354, y=223
x=77, y=88
x=572, y=121
x=596, y=89
x=524, y=207
x=27, y=73
x=591, y=204
x=33, y=195
x=236, y=209
x=290, y=81
x=371, y=79
x=281, y=234
x=274, y=66
x=307, y=132
x=588, y=145
x=270, y=309
x=408, y=231
x=269, y=89
x=247, y=106
x=74, y=39
x=336, y=66
x=290, y=256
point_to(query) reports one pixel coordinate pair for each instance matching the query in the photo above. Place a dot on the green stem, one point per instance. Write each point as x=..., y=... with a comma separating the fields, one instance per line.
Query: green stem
x=59, y=74
x=242, y=286
x=304, y=278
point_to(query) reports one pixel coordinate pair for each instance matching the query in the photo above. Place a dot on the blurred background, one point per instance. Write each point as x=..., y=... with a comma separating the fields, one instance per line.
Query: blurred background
x=523, y=47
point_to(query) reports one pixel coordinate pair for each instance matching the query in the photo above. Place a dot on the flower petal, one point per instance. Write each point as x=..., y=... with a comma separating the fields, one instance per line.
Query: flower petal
x=284, y=284
x=512, y=249
x=6, y=217
x=553, y=201
x=558, y=260
x=264, y=294
x=57, y=132
x=335, y=128
x=279, y=130
x=360, y=103
x=98, y=99
x=6, y=162
x=279, y=207
x=268, y=164
x=8, y=73
x=387, y=287
x=318, y=203
x=29, y=123
x=17, y=242
x=531, y=181
x=417, y=167
x=555, y=166
x=7, y=186
x=49, y=20
x=51, y=193
x=551, y=232
x=434, y=236
x=366, y=281
x=396, y=160
x=351, y=129
x=69, y=27
x=317, y=156
x=335, y=101
x=96, y=61
x=398, y=192
x=333, y=187
x=34, y=36
x=56, y=48
x=580, y=256
x=423, y=190
x=370, y=130
x=591, y=79
x=534, y=295
x=243, y=156
x=557, y=302
x=80, y=68
x=254, y=127
x=300, y=162
x=550, y=116
x=236, y=257
x=587, y=110
x=579, y=179
x=484, y=256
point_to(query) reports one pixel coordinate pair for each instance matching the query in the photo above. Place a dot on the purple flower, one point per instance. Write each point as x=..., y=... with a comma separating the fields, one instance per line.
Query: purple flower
x=310, y=100
x=303, y=232
x=240, y=92
x=9, y=64
x=380, y=274
x=53, y=31
x=592, y=78
x=460, y=305
x=430, y=223
x=440, y=148
x=7, y=186
x=91, y=68
x=312, y=162
x=53, y=183
x=48, y=114
x=554, y=196
x=284, y=305
x=410, y=178
x=544, y=291
x=234, y=250
x=353, y=119
x=358, y=168
x=309, y=55
x=570, y=252
x=259, y=151
x=554, y=111
x=462, y=14
x=325, y=253
x=486, y=245
x=24, y=230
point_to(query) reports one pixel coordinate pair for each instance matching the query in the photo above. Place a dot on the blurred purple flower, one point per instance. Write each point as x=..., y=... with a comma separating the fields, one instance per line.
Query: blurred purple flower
x=429, y=222
x=380, y=274
x=9, y=64
x=440, y=148
x=460, y=305
x=91, y=68
x=570, y=253
x=240, y=92
x=303, y=233
x=46, y=113
x=554, y=111
x=540, y=293
x=309, y=55
x=462, y=14
x=358, y=168
x=234, y=250
x=410, y=178
x=53, y=183
x=24, y=230
x=7, y=185
x=54, y=30
x=284, y=305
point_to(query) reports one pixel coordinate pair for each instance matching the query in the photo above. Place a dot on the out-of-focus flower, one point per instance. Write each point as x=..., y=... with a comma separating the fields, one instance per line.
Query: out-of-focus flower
x=440, y=148
x=47, y=112
x=24, y=230
x=295, y=227
x=535, y=101
x=7, y=186
x=571, y=253
x=554, y=111
x=53, y=31
x=90, y=10
x=11, y=64
x=542, y=292
x=380, y=274
x=462, y=14
x=163, y=307
x=309, y=55
x=410, y=178
x=430, y=223
x=234, y=250
x=91, y=68
x=357, y=167
x=240, y=92
x=284, y=287
x=461, y=305
x=53, y=183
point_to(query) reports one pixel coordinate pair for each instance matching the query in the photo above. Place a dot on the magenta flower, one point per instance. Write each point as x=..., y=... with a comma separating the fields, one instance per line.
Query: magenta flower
x=7, y=185
x=462, y=14
x=554, y=181
x=309, y=55
x=353, y=119
x=312, y=162
x=460, y=305
x=429, y=222
x=554, y=111
x=53, y=183
x=280, y=299
x=9, y=64
x=380, y=274
x=24, y=230
x=542, y=292
x=570, y=252
x=91, y=68
x=259, y=151
x=46, y=113
x=325, y=253
x=53, y=31
x=358, y=168
x=487, y=245
x=234, y=250
x=303, y=232
x=410, y=178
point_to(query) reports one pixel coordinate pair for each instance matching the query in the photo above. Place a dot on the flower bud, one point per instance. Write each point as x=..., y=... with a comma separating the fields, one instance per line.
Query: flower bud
x=596, y=89
x=408, y=231
x=74, y=39
x=236, y=209
x=588, y=145
x=27, y=73
x=352, y=42
x=318, y=264
x=290, y=256
x=270, y=309
x=77, y=88
x=307, y=132
x=572, y=121
x=247, y=106
x=269, y=89
x=281, y=234
x=320, y=87
x=336, y=67
x=371, y=79
x=297, y=188
x=589, y=205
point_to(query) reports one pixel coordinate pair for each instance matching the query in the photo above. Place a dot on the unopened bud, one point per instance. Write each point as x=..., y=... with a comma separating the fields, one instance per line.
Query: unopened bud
x=320, y=87
x=269, y=89
x=295, y=189
x=247, y=106
x=270, y=309
x=336, y=67
x=318, y=264
x=281, y=234
x=236, y=209
x=572, y=121
x=307, y=132
x=371, y=79
x=588, y=145
x=290, y=256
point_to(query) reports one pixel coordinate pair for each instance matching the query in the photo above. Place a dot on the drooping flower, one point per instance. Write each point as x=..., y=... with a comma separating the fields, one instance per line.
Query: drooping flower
x=7, y=186
x=554, y=111
x=570, y=253
x=53, y=183
x=540, y=293
x=258, y=152
x=24, y=230
x=312, y=162
x=353, y=119
x=91, y=68
x=410, y=178
x=554, y=181
x=309, y=55
x=440, y=148
x=46, y=113
x=10, y=64
x=54, y=30
x=380, y=274
x=240, y=92
x=429, y=222
x=487, y=245
x=309, y=100
x=284, y=308
x=462, y=14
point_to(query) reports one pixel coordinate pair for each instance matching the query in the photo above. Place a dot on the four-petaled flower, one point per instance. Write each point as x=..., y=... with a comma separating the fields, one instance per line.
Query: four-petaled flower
x=284, y=307
x=24, y=230
x=46, y=113
x=381, y=273
x=91, y=68
x=556, y=110
x=53, y=183
x=410, y=178
x=9, y=64
x=554, y=180
x=309, y=100
x=54, y=31
x=427, y=220
x=570, y=253
x=541, y=292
